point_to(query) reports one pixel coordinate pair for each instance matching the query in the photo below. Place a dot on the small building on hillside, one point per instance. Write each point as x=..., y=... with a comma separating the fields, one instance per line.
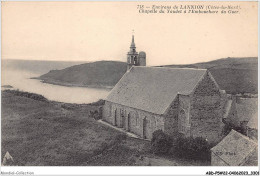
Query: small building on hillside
x=235, y=150
x=176, y=100
x=239, y=112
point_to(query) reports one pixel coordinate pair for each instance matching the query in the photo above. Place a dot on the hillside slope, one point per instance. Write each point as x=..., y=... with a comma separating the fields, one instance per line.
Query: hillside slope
x=95, y=74
x=235, y=75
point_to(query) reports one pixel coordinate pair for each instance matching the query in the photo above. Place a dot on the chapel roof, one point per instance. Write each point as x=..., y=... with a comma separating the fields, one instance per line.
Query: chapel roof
x=152, y=89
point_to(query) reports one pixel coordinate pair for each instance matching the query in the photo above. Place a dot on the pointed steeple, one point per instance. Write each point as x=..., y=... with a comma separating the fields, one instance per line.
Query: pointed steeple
x=132, y=54
x=133, y=42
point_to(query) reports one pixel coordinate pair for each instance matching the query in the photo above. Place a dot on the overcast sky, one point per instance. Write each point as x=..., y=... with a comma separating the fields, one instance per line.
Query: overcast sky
x=89, y=31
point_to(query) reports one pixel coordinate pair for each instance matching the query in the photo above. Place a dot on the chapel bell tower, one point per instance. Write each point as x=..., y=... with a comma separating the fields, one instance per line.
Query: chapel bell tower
x=133, y=58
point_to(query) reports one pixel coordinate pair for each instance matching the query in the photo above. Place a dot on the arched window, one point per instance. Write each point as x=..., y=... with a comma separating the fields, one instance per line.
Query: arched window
x=181, y=121
x=128, y=122
x=135, y=60
x=137, y=118
x=115, y=117
x=109, y=109
x=132, y=59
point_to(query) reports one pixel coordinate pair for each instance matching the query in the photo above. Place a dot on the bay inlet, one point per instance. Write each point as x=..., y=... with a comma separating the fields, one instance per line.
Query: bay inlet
x=20, y=79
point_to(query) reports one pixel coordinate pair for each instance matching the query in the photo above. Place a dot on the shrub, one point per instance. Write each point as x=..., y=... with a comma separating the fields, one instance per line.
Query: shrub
x=100, y=102
x=228, y=127
x=161, y=142
x=192, y=148
x=96, y=114
x=27, y=95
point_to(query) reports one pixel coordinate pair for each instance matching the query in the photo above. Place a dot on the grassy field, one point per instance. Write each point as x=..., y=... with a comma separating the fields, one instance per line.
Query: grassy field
x=44, y=133
x=40, y=133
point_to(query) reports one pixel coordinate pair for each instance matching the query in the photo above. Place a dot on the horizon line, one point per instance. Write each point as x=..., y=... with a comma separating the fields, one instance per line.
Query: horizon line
x=248, y=57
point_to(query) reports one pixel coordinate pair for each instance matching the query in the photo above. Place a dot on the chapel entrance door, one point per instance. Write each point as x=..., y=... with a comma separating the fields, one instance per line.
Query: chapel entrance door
x=128, y=123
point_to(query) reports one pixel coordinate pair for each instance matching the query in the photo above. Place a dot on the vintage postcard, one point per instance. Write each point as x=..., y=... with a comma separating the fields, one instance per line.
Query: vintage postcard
x=92, y=83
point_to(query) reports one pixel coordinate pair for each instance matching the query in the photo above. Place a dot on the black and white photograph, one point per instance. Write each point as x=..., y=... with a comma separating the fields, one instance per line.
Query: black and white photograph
x=138, y=83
